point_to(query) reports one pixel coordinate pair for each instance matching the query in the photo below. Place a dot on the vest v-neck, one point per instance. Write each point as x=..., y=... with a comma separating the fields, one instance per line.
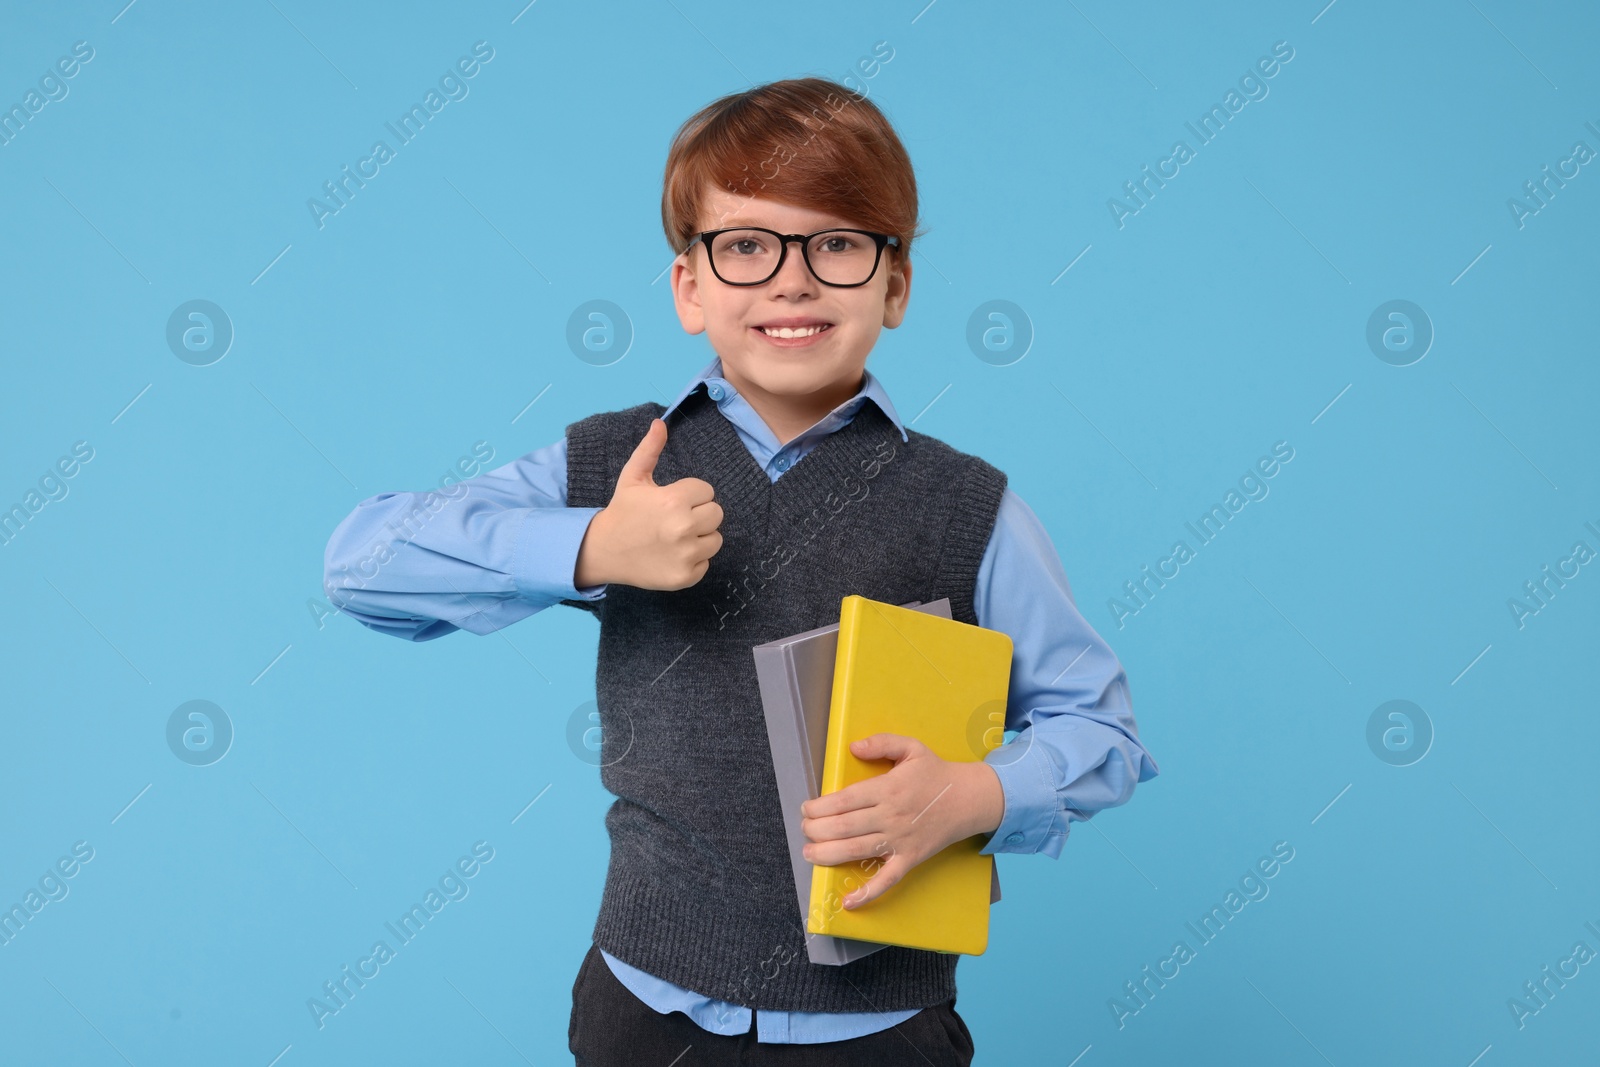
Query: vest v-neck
x=715, y=445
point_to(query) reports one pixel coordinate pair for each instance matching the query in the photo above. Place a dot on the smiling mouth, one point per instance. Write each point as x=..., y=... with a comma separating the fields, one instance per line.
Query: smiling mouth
x=794, y=331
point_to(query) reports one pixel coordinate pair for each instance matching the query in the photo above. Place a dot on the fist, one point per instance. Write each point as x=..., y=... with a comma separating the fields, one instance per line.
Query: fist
x=651, y=536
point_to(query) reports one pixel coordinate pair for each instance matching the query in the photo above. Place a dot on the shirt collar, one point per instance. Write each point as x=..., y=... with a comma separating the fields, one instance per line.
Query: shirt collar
x=871, y=389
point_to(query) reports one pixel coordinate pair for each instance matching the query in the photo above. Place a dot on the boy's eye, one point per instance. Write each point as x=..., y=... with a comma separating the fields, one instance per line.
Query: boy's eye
x=835, y=243
x=742, y=244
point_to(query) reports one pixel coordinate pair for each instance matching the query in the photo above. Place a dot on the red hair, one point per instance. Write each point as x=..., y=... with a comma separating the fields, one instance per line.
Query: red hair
x=804, y=141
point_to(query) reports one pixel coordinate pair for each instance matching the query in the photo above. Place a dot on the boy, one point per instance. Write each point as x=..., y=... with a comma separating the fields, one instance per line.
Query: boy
x=778, y=481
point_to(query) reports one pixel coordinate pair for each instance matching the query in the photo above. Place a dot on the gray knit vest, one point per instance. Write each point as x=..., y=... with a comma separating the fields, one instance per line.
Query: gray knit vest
x=699, y=890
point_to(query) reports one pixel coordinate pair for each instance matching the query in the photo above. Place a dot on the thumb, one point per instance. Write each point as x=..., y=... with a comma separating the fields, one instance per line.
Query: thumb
x=641, y=466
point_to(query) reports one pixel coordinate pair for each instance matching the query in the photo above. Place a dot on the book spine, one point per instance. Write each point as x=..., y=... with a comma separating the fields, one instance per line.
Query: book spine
x=828, y=880
x=810, y=775
x=844, y=660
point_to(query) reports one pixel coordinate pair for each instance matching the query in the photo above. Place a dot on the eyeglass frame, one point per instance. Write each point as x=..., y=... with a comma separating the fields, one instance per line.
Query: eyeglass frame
x=880, y=239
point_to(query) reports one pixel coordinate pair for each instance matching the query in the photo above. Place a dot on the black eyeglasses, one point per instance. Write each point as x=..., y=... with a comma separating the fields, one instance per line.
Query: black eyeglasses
x=753, y=255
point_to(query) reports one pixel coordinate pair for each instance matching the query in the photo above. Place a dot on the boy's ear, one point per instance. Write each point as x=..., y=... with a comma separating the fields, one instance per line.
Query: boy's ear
x=898, y=293
x=686, y=294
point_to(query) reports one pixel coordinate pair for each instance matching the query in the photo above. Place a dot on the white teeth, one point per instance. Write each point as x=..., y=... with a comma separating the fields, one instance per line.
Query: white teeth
x=805, y=331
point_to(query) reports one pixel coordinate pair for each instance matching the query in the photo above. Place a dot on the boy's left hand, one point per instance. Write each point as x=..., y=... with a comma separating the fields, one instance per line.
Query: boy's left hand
x=914, y=810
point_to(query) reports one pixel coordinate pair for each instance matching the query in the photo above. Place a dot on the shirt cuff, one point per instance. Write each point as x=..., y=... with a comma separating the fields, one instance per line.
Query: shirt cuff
x=1029, y=823
x=546, y=558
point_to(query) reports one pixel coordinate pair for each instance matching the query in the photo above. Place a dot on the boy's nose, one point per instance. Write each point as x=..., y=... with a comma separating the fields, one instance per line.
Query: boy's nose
x=794, y=276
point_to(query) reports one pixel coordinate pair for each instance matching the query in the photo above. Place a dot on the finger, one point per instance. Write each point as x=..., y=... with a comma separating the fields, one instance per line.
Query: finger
x=884, y=746
x=706, y=517
x=641, y=465
x=850, y=798
x=692, y=491
x=840, y=827
x=707, y=545
x=888, y=875
x=868, y=847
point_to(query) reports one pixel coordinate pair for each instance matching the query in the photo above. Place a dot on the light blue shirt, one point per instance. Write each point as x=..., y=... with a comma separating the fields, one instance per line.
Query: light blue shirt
x=508, y=547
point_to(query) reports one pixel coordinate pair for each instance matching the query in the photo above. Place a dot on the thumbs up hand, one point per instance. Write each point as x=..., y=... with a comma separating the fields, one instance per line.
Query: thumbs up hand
x=651, y=536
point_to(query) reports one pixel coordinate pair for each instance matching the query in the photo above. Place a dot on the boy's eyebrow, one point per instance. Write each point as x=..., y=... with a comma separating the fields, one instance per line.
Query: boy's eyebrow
x=745, y=220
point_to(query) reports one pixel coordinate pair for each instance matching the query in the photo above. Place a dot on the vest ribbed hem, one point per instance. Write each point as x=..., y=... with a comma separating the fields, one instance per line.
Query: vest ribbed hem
x=680, y=939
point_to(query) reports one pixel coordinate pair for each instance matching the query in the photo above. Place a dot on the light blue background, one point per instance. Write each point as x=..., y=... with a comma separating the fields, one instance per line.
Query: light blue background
x=425, y=316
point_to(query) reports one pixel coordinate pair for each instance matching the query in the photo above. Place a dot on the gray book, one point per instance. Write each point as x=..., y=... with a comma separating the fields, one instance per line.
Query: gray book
x=796, y=678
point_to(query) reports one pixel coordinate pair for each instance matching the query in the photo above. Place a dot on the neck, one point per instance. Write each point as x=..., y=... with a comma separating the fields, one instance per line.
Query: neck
x=788, y=416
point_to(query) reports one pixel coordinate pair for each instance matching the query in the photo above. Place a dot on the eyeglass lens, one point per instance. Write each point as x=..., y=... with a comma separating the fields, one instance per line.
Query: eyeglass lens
x=840, y=257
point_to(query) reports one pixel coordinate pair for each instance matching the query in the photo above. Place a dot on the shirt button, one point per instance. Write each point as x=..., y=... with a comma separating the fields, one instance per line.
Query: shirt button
x=783, y=463
x=715, y=391
x=1014, y=838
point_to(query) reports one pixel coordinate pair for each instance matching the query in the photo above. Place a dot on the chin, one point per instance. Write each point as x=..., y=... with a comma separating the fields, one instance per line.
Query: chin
x=795, y=374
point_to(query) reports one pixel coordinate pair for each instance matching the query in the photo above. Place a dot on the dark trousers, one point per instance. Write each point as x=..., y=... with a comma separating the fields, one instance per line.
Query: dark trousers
x=611, y=1027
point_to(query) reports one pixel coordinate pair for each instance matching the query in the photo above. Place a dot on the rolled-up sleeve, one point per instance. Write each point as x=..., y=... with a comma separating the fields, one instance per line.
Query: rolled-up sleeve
x=1077, y=749
x=477, y=555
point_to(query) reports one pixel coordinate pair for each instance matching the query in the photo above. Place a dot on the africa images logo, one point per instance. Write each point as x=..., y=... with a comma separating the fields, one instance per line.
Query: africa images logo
x=452, y=87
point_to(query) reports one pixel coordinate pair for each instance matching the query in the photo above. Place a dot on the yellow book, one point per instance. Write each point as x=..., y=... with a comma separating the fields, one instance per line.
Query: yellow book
x=943, y=682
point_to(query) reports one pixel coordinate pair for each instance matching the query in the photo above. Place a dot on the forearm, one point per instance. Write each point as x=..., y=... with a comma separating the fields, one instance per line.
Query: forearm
x=1067, y=764
x=477, y=555
x=593, y=568
x=468, y=558
x=982, y=799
